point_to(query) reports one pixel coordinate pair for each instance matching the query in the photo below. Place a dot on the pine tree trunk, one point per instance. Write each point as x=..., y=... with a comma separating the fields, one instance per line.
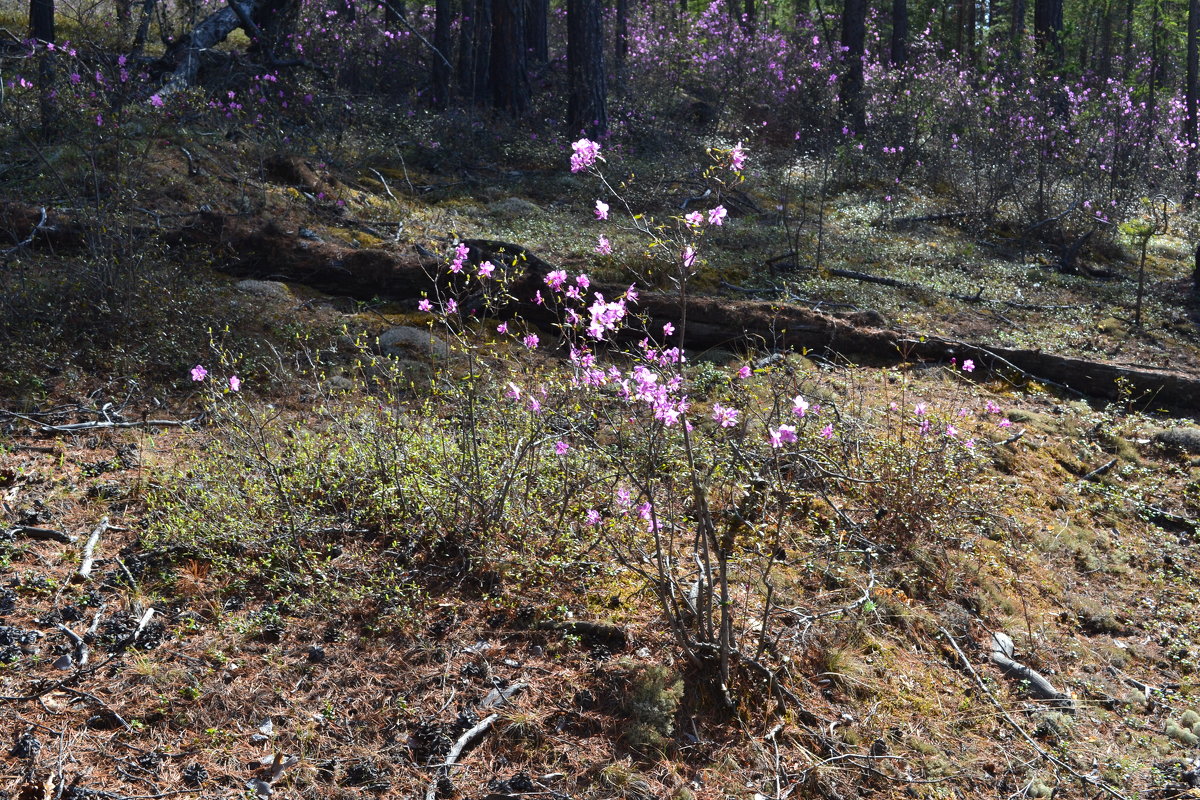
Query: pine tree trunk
x=537, y=36
x=509, y=75
x=854, y=34
x=442, y=43
x=41, y=30
x=1016, y=30
x=899, y=54
x=587, y=107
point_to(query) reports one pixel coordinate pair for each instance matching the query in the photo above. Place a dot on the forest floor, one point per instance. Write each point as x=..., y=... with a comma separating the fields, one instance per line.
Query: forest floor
x=198, y=682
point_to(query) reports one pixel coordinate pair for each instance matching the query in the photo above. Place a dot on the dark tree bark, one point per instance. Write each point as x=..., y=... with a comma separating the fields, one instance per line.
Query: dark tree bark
x=466, y=49
x=1190, y=90
x=1127, y=51
x=537, y=37
x=587, y=102
x=41, y=29
x=393, y=10
x=509, y=72
x=1104, y=50
x=854, y=35
x=1016, y=30
x=441, y=66
x=266, y=22
x=899, y=54
x=1047, y=29
x=970, y=30
x=475, y=50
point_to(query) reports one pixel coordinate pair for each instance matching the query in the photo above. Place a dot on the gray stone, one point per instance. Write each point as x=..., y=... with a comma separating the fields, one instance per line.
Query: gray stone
x=514, y=208
x=404, y=341
x=264, y=289
x=1185, y=440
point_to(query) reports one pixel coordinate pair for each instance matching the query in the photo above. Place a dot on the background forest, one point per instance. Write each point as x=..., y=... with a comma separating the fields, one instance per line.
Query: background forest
x=505, y=398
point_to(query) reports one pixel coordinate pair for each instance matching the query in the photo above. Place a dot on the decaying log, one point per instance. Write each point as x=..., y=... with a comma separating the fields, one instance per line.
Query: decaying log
x=1002, y=656
x=262, y=250
x=42, y=534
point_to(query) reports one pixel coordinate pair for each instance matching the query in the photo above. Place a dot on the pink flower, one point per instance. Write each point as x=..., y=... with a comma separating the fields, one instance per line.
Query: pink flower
x=537, y=297
x=1005, y=423
x=717, y=215
x=514, y=391
x=603, y=246
x=156, y=101
x=486, y=269
x=623, y=498
x=951, y=431
x=601, y=209
x=581, y=280
x=744, y=372
x=556, y=278
x=668, y=329
x=502, y=327
x=235, y=383
x=784, y=434
x=585, y=154
x=968, y=366
x=737, y=157
x=631, y=294
x=561, y=447
x=827, y=431
x=199, y=373
x=991, y=407
x=726, y=416
x=919, y=409
x=535, y=406
x=530, y=341
x=593, y=517
x=451, y=306
x=799, y=404
x=425, y=305
x=689, y=256
x=694, y=219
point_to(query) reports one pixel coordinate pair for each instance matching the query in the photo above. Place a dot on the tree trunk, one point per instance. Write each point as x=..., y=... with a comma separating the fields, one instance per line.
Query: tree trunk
x=587, y=106
x=899, y=54
x=466, y=50
x=537, y=37
x=1193, y=78
x=1104, y=52
x=393, y=10
x=1127, y=52
x=1016, y=30
x=1047, y=29
x=478, y=83
x=441, y=66
x=41, y=30
x=969, y=30
x=509, y=75
x=267, y=22
x=854, y=33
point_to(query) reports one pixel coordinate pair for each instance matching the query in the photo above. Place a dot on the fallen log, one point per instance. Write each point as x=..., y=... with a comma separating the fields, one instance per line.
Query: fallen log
x=259, y=250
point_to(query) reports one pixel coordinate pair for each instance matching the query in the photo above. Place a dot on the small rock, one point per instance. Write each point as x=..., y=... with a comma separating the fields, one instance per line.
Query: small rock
x=514, y=208
x=1184, y=440
x=64, y=662
x=404, y=340
x=264, y=288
